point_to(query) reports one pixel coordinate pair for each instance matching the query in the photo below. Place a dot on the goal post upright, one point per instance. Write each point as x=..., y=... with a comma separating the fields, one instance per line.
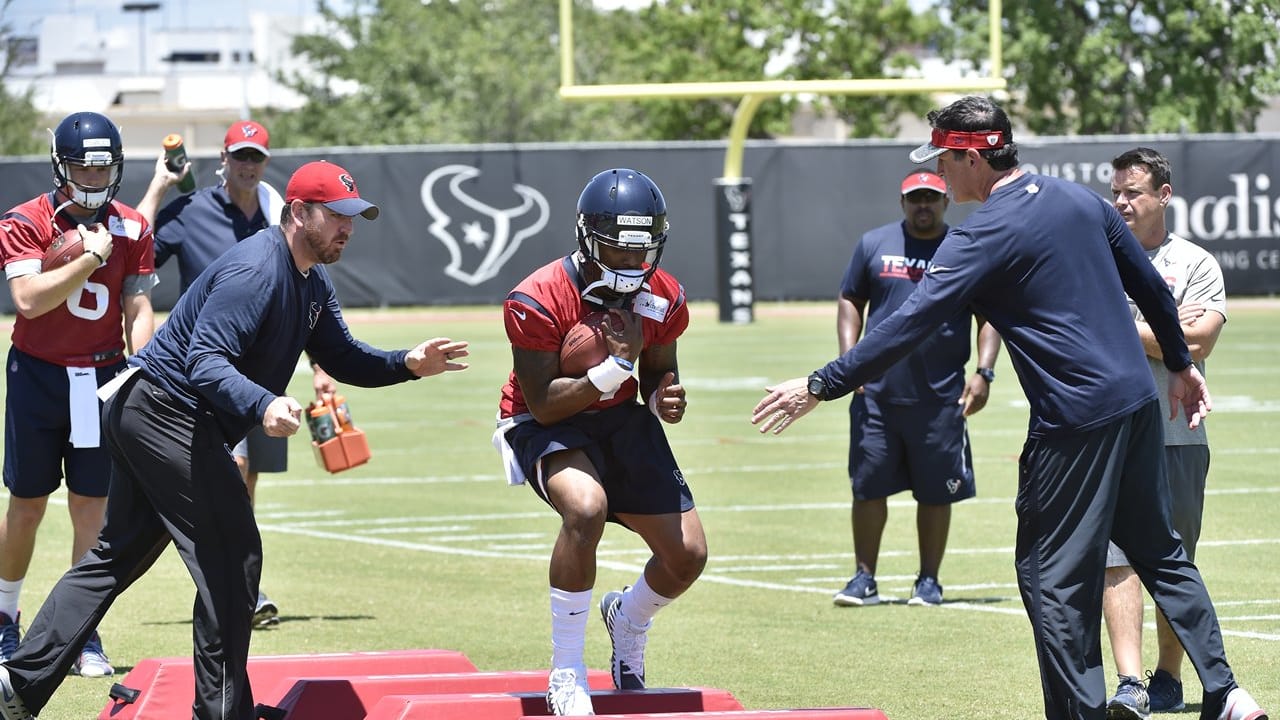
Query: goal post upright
x=733, y=190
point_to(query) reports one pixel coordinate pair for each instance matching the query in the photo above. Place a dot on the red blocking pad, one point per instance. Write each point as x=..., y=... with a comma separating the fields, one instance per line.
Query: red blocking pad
x=509, y=706
x=351, y=698
x=167, y=686
x=833, y=713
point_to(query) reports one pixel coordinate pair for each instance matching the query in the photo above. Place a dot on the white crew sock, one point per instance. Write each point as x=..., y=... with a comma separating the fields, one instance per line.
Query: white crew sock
x=641, y=603
x=9, y=590
x=569, y=627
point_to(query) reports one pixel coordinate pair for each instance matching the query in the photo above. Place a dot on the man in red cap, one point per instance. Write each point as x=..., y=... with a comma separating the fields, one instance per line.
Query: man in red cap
x=218, y=366
x=198, y=227
x=908, y=428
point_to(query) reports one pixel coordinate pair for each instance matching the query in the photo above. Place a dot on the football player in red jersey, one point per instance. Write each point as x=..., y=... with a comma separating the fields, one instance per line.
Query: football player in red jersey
x=592, y=447
x=68, y=340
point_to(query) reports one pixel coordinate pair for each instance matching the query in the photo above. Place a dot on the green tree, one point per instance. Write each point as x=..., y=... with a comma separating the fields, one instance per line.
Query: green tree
x=858, y=39
x=407, y=71
x=19, y=121
x=1122, y=66
x=677, y=42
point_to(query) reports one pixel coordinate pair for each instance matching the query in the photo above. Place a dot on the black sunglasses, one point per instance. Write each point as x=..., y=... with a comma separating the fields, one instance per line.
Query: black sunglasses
x=247, y=155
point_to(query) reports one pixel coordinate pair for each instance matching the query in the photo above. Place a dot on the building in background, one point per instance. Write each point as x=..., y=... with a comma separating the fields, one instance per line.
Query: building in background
x=154, y=77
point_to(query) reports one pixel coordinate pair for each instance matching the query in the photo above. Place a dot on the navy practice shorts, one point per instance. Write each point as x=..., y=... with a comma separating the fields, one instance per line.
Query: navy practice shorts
x=265, y=453
x=37, y=432
x=921, y=448
x=628, y=448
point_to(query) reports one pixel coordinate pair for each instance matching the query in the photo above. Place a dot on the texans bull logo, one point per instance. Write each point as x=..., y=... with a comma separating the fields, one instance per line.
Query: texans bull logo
x=480, y=245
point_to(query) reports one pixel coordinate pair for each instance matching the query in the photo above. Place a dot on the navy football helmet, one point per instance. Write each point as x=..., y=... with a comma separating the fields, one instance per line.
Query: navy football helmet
x=623, y=209
x=87, y=139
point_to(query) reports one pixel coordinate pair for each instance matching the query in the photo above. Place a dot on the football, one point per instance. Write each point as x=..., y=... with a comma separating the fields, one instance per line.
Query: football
x=66, y=247
x=584, y=346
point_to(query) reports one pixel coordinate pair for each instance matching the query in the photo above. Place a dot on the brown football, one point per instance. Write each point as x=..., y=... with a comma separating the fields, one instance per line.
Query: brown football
x=584, y=346
x=66, y=247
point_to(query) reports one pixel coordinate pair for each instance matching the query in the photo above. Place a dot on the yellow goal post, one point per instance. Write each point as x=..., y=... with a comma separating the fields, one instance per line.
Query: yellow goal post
x=754, y=92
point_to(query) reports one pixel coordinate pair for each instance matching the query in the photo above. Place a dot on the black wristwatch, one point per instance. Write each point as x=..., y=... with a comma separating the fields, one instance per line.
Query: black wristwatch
x=817, y=387
x=987, y=374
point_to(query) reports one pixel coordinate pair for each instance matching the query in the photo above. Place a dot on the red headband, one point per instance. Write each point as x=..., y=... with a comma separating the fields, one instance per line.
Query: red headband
x=961, y=140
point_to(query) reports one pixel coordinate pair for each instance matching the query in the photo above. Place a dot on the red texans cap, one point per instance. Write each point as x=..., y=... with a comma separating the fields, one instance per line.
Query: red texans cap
x=923, y=181
x=247, y=134
x=331, y=185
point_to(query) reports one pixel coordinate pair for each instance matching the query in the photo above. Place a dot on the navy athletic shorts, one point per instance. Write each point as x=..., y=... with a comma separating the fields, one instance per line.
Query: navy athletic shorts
x=921, y=448
x=265, y=453
x=37, y=431
x=628, y=448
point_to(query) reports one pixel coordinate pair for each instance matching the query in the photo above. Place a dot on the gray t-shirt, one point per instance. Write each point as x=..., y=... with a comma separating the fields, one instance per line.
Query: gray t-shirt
x=1193, y=275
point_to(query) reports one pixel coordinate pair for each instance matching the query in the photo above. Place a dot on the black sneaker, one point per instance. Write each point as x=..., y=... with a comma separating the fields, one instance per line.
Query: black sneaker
x=1165, y=692
x=1130, y=701
x=860, y=590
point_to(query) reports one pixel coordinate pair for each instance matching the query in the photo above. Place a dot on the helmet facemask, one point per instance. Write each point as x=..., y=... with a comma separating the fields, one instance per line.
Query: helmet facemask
x=86, y=196
x=621, y=232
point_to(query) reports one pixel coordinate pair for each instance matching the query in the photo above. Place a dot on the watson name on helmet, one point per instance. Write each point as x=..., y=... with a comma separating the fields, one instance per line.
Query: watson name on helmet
x=623, y=209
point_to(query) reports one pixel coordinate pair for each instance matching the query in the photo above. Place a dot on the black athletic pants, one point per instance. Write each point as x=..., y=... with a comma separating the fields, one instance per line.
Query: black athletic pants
x=1074, y=493
x=173, y=481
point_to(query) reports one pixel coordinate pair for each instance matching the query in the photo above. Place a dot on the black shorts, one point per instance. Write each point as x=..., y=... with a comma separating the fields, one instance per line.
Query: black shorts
x=628, y=448
x=37, y=432
x=921, y=448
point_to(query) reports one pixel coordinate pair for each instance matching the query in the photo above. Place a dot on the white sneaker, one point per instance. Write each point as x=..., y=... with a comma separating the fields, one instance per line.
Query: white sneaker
x=92, y=661
x=628, y=644
x=1240, y=705
x=11, y=706
x=567, y=692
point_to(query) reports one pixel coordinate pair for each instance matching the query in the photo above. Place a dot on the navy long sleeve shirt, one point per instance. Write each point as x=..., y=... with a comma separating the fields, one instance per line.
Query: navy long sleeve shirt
x=233, y=340
x=1048, y=263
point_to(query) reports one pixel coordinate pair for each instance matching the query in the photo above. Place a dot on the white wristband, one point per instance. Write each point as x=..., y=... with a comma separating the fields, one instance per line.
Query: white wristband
x=609, y=375
x=653, y=404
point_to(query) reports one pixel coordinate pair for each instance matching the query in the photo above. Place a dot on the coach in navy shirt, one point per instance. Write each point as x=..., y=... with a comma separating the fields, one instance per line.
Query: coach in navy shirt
x=1048, y=262
x=218, y=366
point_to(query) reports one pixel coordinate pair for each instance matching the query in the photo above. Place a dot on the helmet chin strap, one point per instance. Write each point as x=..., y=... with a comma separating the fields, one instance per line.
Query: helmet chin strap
x=604, y=292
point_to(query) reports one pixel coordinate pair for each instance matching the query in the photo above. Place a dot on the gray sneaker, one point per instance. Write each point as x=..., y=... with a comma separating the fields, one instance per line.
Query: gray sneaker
x=926, y=591
x=1130, y=701
x=11, y=706
x=860, y=590
x=265, y=613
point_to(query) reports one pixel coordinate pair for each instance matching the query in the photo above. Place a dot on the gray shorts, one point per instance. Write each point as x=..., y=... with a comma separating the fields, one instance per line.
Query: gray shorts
x=265, y=453
x=1187, y=467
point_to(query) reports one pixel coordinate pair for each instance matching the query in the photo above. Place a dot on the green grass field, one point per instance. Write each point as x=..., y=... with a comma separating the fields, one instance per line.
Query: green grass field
x=426, y=546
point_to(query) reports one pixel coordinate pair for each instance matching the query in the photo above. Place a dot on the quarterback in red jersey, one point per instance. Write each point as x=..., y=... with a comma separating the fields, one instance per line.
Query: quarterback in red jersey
x=593, y=447
x=75, y=323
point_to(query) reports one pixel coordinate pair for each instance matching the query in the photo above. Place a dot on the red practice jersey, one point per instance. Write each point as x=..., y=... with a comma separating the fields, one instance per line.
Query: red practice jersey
x=542, y=308
x=91, y=321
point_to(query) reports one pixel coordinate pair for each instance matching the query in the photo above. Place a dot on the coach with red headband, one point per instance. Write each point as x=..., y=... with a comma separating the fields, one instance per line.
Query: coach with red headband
x=219, y=366
x=1048, y=262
